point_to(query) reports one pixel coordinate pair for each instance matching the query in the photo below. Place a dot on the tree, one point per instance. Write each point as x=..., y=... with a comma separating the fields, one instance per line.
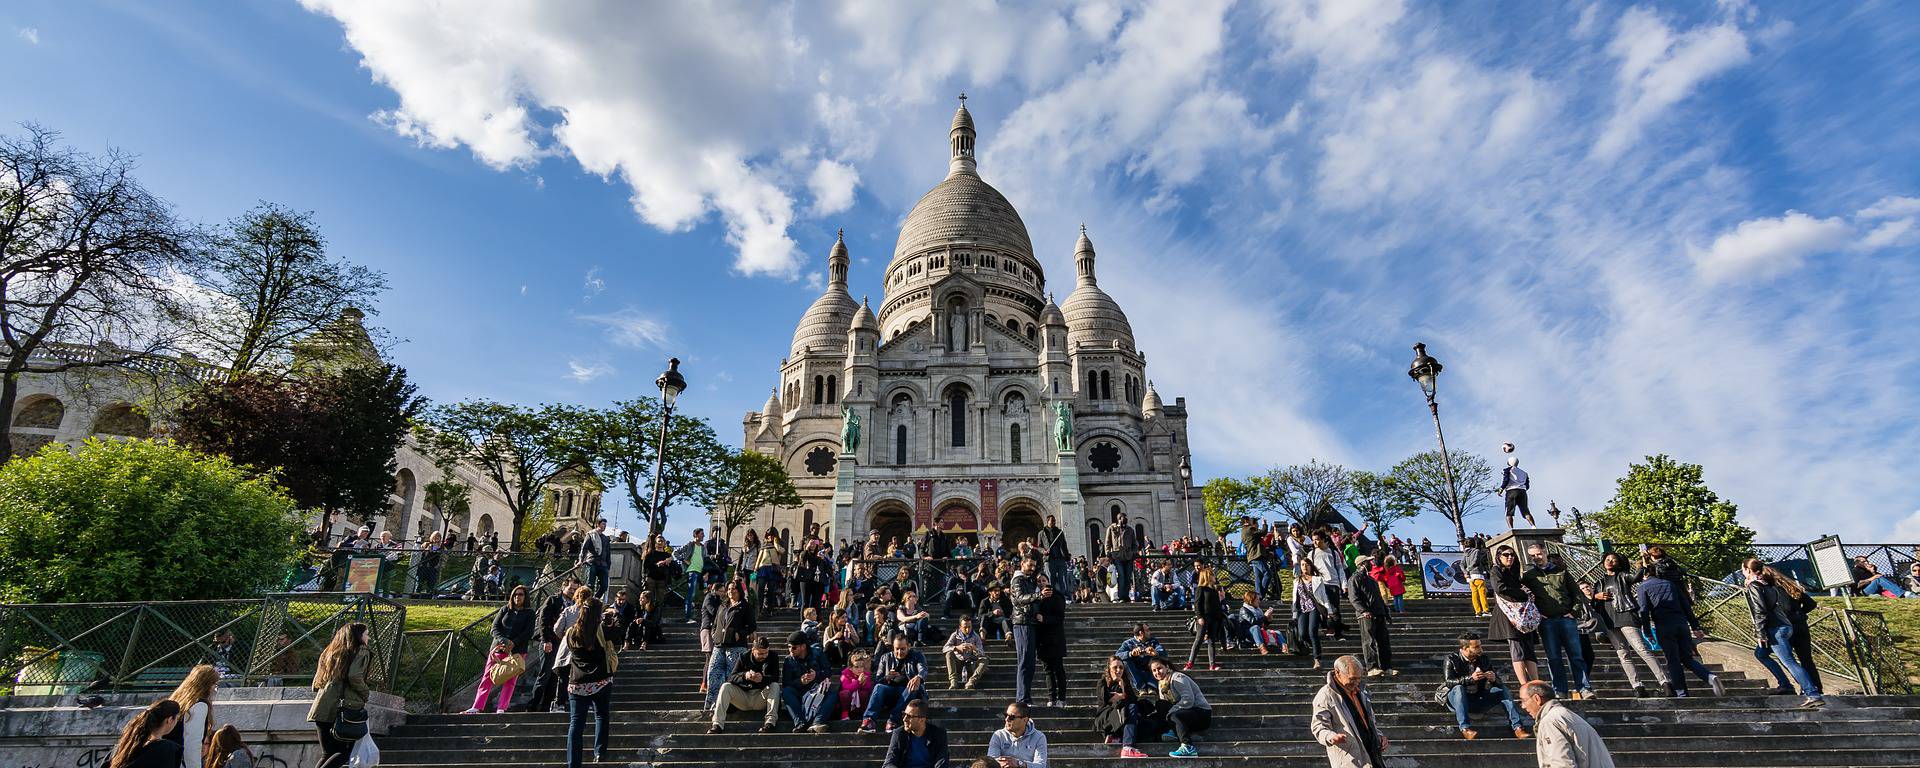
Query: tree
x=269, y=282
x=1664, y=501
x=747, y=482
x=448, y=497
x=87, y=256
x=139, y=520
x=1420, y=480
x=622, y=443
x=1300, y=490
x=518, y=449
x=1226, y=500
x=1378, y=503
x=329, y=438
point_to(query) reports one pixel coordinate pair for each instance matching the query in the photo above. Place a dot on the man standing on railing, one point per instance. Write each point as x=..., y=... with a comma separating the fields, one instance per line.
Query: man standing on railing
x=596, y=554
x=1054, y=542
x=1122, y=547
x=1253, y=543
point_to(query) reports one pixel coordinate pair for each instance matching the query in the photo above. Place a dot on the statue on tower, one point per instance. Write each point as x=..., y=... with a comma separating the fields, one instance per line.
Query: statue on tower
x=1062, y=426
x=849, y=430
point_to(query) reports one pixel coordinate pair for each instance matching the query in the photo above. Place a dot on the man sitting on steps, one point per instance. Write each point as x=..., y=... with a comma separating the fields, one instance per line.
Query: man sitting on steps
x=1139, y=652
x=1471, y=683
x=754, y=684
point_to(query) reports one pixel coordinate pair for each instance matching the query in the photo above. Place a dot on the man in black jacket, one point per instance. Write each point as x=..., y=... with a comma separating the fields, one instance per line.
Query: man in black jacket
x=546, y=689
x=733, y=626
x=754, y=684
x=920, y=744
x=804, y=669
x=1053, y=542
x=1050, y=634
x=1025, y=592
x=1472, y=684
x=1363, y=593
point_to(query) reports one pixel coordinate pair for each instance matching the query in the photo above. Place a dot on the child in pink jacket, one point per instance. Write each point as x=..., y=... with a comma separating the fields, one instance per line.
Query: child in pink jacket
x=856, y=684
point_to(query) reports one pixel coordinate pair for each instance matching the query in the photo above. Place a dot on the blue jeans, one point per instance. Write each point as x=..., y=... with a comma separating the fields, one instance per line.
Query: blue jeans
x=916, y=631
x=577, y=707
x=719, y=665
x=1306, y=633
x=790, y=699
x=597, y=580
x=1562, y=639
x=1141, y=669
x=891, y=701
x=1168, y=597
x=1464, y=702
x=1880, y=583
x=1025, y=653
x=694, y=581
x=1057, y=572
x=1260, y=576
x=1123, y=578
x=1778, y=642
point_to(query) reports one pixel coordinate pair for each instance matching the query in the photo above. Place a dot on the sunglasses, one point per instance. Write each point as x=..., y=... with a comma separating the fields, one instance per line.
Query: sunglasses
x=1012, y=716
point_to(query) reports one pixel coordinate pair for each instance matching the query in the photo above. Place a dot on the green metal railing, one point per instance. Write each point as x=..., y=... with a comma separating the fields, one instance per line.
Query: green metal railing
x=53, y=649
x=436, y=668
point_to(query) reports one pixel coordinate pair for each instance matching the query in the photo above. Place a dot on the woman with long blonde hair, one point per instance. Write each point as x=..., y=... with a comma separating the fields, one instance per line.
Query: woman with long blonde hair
x=195, y=697
x=341, y=680
x=143, y=742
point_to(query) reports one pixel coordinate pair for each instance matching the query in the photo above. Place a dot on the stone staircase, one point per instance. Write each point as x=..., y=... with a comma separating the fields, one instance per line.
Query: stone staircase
x=1261, y=708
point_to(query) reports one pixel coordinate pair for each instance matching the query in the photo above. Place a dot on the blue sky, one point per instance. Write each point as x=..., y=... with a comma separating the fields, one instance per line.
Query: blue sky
x=1625, y=228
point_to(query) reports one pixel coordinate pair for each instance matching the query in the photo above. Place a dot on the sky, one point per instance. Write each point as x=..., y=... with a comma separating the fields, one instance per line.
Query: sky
x=1624, y=228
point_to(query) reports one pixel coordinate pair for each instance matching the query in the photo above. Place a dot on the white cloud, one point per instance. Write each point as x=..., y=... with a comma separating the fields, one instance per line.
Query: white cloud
x=1892, y=208
x=1659, y=68
x=30, y=34
x=631, y=328
x=583, y=371
x=832, y=185
x=594, y=283
x=1768, y=247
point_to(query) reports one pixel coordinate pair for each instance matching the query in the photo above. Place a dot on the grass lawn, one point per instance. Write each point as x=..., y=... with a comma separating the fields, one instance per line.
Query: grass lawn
x=1903, y=622
x=444, y=615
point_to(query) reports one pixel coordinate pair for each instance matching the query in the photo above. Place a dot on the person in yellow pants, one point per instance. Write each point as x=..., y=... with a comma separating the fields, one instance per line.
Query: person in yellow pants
x=1474, y=563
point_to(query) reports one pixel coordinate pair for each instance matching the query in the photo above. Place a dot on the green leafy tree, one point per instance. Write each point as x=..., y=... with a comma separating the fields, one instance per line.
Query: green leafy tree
x=140, y=520
x=519, y=449
x=747, y=482
x=1299, y=490
x=330, y=438
x=1421, y=481
x=622, y=442
x=270, y=282
x=1377, y=502
x=1663, y=501
x=1227, y=499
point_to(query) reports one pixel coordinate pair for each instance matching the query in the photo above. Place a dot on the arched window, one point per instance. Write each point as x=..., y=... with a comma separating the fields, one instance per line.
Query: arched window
x=819, y=390
x=1106, y=385
x=1013, y=325
x=1093, y=385
x=900, y=445
x=833, y=390
x=806, y=521
x=1033, y=334
x=959, y=405
x=1013, y=442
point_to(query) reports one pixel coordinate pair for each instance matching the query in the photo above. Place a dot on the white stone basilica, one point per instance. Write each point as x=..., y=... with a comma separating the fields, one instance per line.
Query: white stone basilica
x=948, y=407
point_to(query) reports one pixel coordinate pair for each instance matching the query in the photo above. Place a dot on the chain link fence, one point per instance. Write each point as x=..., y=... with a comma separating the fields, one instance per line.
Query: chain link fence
x=425, y=573
x=438, y=668
x=58, y=649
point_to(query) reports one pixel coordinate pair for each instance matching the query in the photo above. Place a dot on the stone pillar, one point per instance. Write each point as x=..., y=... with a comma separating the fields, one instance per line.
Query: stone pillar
x=1073, y=516
x=843, y=522
x=1521, y=538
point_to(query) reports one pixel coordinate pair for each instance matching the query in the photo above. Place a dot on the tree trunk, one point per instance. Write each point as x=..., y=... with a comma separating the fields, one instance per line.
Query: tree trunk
x=9, y=393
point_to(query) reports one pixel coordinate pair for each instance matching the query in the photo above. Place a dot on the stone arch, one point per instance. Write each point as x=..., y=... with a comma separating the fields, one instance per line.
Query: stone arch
x=484, y=526
x=1020, y=522
x=1094, y=536
x=122, y=420
x=956, y=515
x=40, y=412
x=1123, y=456
x=891, y=518
x=401, y=508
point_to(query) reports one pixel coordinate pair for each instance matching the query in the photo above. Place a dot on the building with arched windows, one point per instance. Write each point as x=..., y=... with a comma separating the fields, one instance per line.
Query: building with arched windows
x=955, y=377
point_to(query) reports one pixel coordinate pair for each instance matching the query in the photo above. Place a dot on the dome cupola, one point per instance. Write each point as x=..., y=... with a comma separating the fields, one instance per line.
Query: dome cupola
x=823, y=329
x=1093, y=318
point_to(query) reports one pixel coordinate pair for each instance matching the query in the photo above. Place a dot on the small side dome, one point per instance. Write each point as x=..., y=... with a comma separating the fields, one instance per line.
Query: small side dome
x=1050, y=315
x=863, y=320
x=1151, y=407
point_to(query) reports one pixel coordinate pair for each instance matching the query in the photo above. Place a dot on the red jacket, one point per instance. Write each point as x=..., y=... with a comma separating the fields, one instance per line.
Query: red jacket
x=1394, y=577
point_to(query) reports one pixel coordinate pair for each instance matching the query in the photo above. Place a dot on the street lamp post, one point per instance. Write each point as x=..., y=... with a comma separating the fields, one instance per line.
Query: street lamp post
x=1425, y=371
x=1186, y=481
x=671, y=384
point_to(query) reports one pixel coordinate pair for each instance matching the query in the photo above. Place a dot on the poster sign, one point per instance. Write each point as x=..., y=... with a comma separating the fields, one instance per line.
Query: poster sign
x=922, y=505
x=989, y=505
x=1830, y=564
x=363, y=574
x=1440, y=573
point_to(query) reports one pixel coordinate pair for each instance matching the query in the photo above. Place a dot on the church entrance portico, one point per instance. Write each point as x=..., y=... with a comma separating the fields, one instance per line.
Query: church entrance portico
x=1022, y=522
x=891, y=519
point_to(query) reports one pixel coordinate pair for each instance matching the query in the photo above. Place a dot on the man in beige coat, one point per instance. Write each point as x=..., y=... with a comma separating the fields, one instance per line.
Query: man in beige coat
x=1562, y=739
x=1343, y=720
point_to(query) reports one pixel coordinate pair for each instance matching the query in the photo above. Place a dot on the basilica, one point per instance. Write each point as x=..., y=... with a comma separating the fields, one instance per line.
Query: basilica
x=965, y=398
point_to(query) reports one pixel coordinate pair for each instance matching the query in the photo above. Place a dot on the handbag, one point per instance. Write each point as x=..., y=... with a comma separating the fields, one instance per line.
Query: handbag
x=1525, y=616
x=350, y=723
x=509, y=668
x=817, y=697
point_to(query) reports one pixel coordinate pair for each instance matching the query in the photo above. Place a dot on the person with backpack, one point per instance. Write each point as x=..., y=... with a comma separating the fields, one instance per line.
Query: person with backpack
x=1771, y=608
x=1376, y=645
x=805, y=676
x=590, y=663
x=1611, y=598
x=195, y=697
x=339, y=710
x=1663, y=599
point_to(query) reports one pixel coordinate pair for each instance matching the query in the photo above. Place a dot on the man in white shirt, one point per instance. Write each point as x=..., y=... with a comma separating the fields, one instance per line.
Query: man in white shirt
x=1513, y=485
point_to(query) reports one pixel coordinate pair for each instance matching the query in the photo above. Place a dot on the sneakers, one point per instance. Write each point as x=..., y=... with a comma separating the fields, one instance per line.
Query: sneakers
x=1213, y=667
x=1316, y=664
x=1813, y=703
x=716, y=729
x=1719, y=688
x=866, y=726
x=1113, y=740
x=767, y=727
x=1375, y=672
x=1574, y=696
x=1185, y=750
x=1131, y=752
x=1587, y=693
x=1393, y=673
x=801, y=728
x=472, y=711
x=819, y=728
x=1187, y=667
x=891, y=726
x=1469, y=734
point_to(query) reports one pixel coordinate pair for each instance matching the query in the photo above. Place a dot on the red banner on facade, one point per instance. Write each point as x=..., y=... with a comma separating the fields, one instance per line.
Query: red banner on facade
x=990, y=505
x=922, y=505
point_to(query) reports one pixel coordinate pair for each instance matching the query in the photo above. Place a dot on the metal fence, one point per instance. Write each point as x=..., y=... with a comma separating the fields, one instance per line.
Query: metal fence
x=437, y=668
x=54, y=649
x=421, y=573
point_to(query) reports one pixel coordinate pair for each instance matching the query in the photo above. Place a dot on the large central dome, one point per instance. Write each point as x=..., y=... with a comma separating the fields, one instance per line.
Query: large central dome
x=962, y=226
